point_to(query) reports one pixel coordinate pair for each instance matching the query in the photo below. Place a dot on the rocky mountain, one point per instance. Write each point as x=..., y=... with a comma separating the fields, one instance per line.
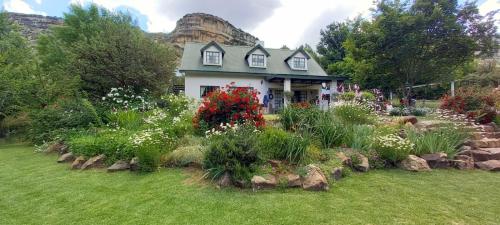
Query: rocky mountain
x=201, y=27
x=34, y=25
x=194, y=27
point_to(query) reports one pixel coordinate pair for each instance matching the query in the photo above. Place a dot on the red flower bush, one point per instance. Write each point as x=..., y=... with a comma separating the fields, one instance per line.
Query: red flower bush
x=229, y=105
x=456, y=104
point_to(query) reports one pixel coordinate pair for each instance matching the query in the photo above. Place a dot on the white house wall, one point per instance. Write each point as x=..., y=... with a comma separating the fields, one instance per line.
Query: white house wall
x=194, y=81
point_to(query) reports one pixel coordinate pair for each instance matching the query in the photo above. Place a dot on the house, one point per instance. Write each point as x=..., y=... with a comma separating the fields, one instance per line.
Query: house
x=280, y=76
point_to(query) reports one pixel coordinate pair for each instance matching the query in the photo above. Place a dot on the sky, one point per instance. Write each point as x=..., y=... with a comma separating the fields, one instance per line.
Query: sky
x=276, y=22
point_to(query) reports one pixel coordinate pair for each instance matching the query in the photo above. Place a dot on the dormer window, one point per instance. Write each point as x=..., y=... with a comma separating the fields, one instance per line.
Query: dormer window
x=212, y=54
x=299, y=63
x=258, y=60
x=212, y=57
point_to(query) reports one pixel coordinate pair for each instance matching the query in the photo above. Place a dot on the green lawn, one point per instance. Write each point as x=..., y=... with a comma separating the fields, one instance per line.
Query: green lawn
x=36, y=190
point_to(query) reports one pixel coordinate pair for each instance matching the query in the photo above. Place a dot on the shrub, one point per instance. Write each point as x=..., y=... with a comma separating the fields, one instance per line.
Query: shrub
x=367, y=96
x=128, y=99
x=419, y=111
x=232, y=151
x=174, y=104
x=149, y=157
x=444, y=139
x=399, y=111
x=358, y=137
x=114, y=144
x=354, y=113
x=328, y=130
x=185, y=156
x=347, y=96
x=64, y=114
x=230, y=106
x=127, y=119
x=392, y=147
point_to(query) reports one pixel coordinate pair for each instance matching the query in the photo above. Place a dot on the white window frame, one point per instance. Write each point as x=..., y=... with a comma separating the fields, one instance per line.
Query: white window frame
x=263, y=60
x=299, y=58
x=207, y=62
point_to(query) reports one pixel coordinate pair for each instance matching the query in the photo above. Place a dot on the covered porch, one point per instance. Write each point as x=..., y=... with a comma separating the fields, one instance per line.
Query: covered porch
x=287, y=89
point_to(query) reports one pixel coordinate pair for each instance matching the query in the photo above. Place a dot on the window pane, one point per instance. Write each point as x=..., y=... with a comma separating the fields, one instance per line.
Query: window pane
x=213, y=57
x=258, y=60
x=205, y=90
x=299, y=63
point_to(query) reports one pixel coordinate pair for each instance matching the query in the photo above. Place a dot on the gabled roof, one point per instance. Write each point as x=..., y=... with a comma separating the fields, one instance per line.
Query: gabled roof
x=234, y=62
x=301, y=50
x=258, y=46
x=212, y=43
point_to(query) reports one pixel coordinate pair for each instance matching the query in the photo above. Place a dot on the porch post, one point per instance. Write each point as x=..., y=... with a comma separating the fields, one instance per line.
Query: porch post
x=333, y=91
x=287, y=88
x=453, y=88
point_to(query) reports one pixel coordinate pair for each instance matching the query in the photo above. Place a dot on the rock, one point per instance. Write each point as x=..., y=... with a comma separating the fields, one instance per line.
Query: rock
x=402, y=133
x=472, y=144
x=225, y=180
x=294, y=180
x=414, y=163
x=67, y=157
x=240, y=183
x=94, y=162
x=134, y=164
x=33, y=25
x=363, y=165
x=315, y=180
x=346, y=161
x=436, y=160
x=411, y=119
x=465, y=148
x=78, y=162
x=336, y=173
x=462, y=162
x=477, y=155
x=490, y=165
x=201, y=27
x=119, y=165
x=57, y=147
x=260, y=182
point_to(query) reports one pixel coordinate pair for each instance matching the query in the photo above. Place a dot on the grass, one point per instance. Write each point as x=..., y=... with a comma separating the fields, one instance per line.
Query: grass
x=36, y=190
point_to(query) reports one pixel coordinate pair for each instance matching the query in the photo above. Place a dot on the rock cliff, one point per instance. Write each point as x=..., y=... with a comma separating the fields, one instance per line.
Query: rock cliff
x=201, y=27
x=194, y=27
x=34, y=25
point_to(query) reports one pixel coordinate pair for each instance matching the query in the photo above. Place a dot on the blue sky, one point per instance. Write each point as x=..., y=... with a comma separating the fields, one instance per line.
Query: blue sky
x=276, y=22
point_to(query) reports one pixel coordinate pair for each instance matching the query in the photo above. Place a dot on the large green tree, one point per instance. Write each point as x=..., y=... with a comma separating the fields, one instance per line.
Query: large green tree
x=412, y=42
x=102, y=50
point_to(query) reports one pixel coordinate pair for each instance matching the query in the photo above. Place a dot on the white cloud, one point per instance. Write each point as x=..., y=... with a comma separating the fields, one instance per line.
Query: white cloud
x=299, y=21
x=491, y=5
x=20, y=6
x=39, y=2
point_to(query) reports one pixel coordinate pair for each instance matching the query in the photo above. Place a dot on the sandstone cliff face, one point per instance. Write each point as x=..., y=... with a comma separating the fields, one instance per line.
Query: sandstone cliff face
x=34, y=25
x=194, y=27
x=201, y=27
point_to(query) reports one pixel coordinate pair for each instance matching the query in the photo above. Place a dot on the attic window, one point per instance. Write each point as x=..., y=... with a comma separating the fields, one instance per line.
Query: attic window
x=212, y=57
x=258, y=60
x=299, y=63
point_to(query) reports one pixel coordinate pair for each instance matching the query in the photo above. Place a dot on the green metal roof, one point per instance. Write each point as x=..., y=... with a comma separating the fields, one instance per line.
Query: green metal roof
x=234, y=62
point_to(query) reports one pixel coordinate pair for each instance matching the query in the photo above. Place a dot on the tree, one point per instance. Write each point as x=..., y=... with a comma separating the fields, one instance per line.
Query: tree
x=103, y=50
x=331, y=46
x=408, y=44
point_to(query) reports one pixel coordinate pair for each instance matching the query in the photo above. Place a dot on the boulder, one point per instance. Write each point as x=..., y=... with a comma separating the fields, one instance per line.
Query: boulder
x=78, y=162
x=436, y=160
x=346, y=161
x=67, y=157
x=411, y=119
x=490, y=165
x=472, y=144
x=315, y=180
x=57, y=147
x=414, y=163
x=336, y=173
x=225, y=180
x=262, y=182
x=94, y=162
x=134, y=164
x=463, y=162
x=477, y=155
x=293, y=180
x=119, y=165
x=363, y=165
x=465, y=148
